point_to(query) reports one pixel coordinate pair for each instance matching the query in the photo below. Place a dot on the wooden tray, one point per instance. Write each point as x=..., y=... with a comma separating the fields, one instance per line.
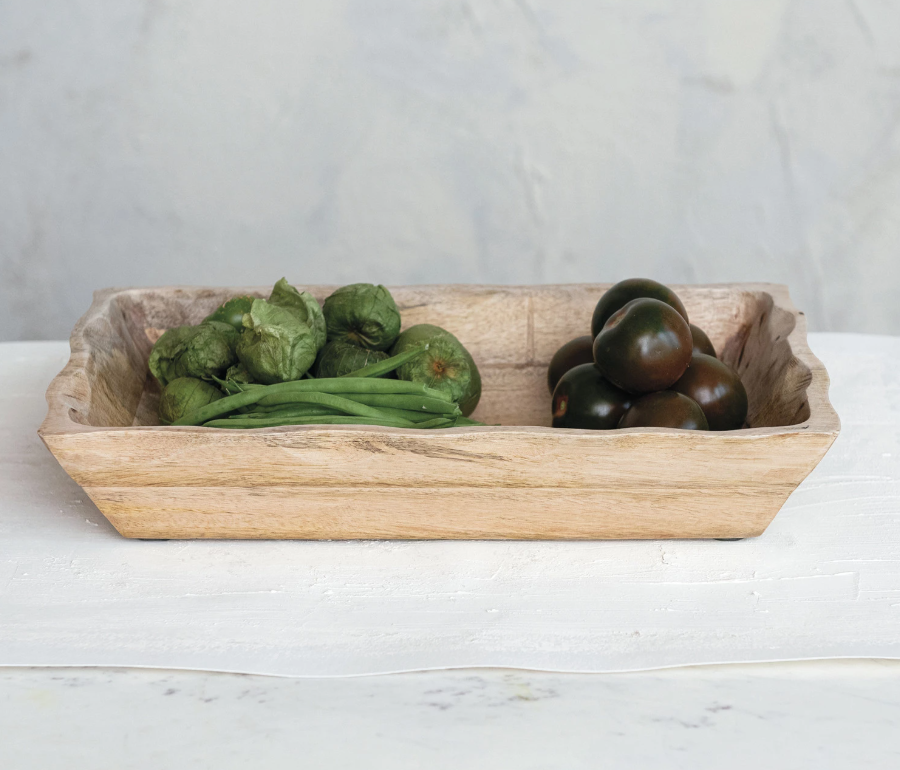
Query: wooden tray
x=523, y=480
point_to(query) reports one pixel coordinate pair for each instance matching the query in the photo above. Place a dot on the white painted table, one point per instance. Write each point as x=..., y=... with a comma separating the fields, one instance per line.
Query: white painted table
x=780, y=716
x=823, y=581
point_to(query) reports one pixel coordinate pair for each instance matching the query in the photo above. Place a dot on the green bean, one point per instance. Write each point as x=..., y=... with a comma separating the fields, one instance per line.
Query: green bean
x=370, y=385
x=412, y=415
x=220, y=407
x=387, y=365
x=257, y=410
x=360, y=385
x=294, y=410
x=279, y=415
x=345, y=405
x=420, y=417
x=451, y=422
x=275, y=422
x=326, y=385
x=346, y=384
x=343, y=384
x=438, y=422
x=403, y=401
x=466, y=422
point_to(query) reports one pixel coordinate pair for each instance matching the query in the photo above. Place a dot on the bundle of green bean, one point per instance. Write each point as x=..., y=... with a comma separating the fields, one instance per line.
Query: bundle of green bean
x=357, y=398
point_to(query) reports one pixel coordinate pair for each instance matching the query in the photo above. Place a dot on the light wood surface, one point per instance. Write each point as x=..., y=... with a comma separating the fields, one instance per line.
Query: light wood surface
x=516, y=478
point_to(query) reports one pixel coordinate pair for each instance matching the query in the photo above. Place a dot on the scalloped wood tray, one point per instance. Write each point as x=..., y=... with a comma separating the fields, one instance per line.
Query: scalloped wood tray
x=521, y=480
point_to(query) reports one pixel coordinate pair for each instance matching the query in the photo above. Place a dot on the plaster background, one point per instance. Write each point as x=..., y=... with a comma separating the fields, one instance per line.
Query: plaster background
x=222, y=142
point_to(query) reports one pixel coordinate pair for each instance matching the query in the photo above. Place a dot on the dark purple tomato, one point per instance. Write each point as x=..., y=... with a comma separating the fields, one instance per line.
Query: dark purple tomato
x=644, y=347
x=583, y=399
x=718, y=389
x=701, y=342
x=665, y=409
x=575, y=352
x=623, y=292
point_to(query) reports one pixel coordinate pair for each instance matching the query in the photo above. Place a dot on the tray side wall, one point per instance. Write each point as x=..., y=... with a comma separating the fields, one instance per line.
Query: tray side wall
x=356, y=513
x=495, y=485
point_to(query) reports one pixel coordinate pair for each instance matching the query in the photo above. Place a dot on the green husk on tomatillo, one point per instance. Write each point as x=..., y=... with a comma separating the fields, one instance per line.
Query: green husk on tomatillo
x=232, y=312
x=276, y=346
x=340, y=357
x=446, y=365
x=204, y=351
x=239, y=373
x=304, y=305
x=183, y=395
x=364, y=315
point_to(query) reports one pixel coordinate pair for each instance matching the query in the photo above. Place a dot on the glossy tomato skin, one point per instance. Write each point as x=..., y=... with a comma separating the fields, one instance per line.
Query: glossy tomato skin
x=644, y=347
x=584, y=399
x=718, y=389
x=623, y=292
x=701, y=342
x=574, y=352
x=666, y=409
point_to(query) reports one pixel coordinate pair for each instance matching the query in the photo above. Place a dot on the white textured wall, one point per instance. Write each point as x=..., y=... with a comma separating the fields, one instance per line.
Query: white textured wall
x=222, y=142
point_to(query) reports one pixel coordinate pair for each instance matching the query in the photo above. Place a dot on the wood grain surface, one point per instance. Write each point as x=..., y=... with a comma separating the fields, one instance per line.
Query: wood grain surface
x=516, y=478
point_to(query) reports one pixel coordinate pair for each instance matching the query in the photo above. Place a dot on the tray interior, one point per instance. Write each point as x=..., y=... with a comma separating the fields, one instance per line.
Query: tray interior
x=512, y=332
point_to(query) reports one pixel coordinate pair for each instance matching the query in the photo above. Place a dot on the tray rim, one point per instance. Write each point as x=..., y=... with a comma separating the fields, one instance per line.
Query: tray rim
x=60, y=394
